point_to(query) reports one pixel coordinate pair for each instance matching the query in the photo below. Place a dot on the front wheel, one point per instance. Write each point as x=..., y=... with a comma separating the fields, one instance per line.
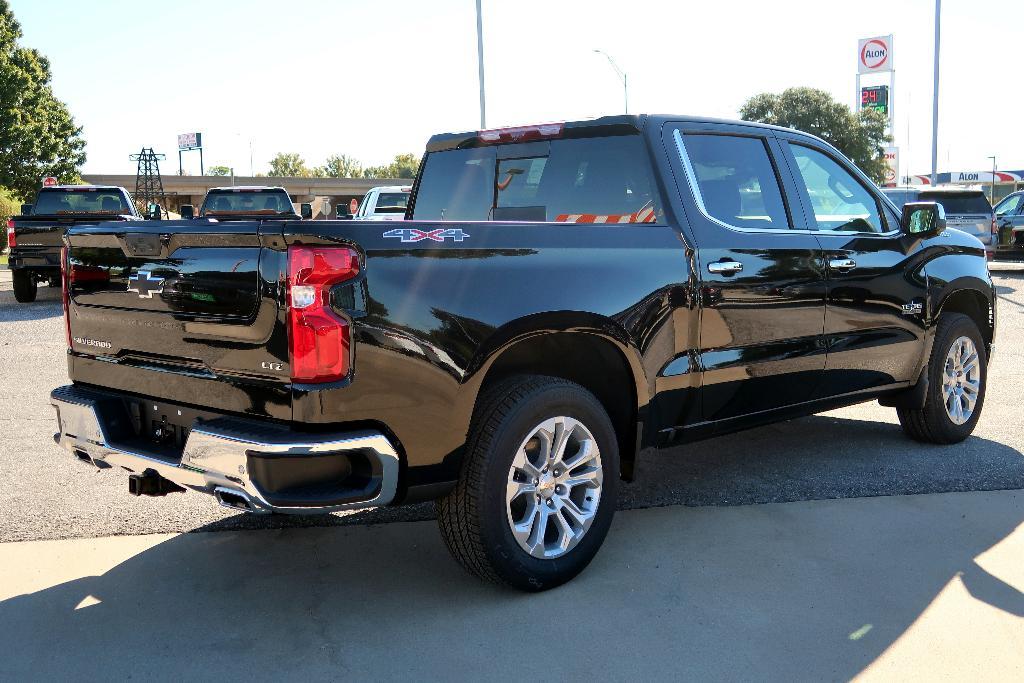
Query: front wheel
x=24, y=286
x=957, y=377
x=537, y=490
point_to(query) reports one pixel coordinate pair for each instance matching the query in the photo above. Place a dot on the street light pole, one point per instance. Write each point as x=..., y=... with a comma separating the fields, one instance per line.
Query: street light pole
x=992, y=185
x=480, y=63
x=935, y=97
x=622, y=76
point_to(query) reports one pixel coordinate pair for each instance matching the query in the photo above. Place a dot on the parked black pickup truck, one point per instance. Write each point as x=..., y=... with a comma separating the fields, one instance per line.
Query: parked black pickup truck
x=36, y=237
x=561, y=297
x=244, y=203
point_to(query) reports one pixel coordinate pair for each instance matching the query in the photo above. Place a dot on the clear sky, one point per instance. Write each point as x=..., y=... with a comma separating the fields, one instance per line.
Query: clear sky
x=375, y=78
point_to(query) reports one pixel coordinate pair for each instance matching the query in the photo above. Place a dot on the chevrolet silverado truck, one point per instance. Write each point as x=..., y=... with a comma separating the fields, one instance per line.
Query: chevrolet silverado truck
x=244, y=202
x=35, y=238
x=561, y=298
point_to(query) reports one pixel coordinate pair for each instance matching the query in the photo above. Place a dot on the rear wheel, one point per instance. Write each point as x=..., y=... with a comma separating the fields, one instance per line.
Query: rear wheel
x=957, y=376
x=538, y=485
x=24, y=286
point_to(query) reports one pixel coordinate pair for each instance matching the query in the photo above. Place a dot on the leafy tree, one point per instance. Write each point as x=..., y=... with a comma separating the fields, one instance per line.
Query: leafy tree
x=342, y=166
x=218, y=170
x=402, y=166
x=8, y=207
x=38, y=136
x=859, y=136
x=289, y=164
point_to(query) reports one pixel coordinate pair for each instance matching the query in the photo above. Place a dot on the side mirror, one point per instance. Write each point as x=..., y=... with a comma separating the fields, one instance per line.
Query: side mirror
x=26, y=209
x=306, y=211
x=188, y=212
x=156, y=212
x=923, y=219
x=342, y=214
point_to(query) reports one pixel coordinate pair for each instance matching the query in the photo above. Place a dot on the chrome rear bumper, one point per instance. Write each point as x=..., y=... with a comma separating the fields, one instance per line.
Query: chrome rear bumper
x=220, y=456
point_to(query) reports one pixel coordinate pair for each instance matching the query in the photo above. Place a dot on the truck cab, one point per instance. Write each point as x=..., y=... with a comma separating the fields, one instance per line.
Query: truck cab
x=246, y=202
x=35, y=238
x=387, y=203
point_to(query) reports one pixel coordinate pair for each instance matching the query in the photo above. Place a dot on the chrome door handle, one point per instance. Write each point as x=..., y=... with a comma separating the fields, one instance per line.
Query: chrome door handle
x=842, y=264
x=725, y=267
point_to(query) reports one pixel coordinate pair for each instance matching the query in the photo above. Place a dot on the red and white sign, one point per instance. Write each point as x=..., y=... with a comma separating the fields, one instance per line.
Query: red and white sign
x=874, y=55
x=353, y=206
x=49, y=181
x=892, y=159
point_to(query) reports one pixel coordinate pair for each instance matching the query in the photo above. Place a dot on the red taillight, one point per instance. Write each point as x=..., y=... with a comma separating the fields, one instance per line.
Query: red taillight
x=521, y=133
x=319, y=339
x=11, y=239
x=66, y=293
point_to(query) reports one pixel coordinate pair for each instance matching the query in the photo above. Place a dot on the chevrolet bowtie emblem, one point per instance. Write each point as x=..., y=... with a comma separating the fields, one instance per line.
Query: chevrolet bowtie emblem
x=145, y=284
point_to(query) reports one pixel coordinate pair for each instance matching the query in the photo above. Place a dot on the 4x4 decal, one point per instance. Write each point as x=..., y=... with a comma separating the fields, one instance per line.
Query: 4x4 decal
x=438, y=235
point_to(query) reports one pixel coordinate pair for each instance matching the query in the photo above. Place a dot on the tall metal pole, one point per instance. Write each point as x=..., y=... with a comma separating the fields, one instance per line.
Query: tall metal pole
x=622, y=76
x=480, y=62
x=992, y=185
x=935, y=98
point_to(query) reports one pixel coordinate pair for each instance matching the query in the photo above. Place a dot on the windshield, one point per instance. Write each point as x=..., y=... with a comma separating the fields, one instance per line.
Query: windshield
x=80, y=201
x=959, y=202
x=392, y=202
x=232, y=202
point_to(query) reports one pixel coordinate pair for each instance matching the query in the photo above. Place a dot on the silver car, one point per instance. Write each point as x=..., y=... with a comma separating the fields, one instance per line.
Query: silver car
x=966, y=210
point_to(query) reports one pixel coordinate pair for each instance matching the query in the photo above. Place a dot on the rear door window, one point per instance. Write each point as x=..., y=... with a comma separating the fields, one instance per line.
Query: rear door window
x=583, y=180
x=736, y=180
x=959, y=202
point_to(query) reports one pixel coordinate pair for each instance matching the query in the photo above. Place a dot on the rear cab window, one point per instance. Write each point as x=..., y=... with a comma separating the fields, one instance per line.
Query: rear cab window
x=248, y=202
x=391, y=202
x=80, y=201
x=959, y=203
x=604, y=179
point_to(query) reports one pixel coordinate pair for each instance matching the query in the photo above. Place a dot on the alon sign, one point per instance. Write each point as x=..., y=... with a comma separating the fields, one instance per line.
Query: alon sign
x=874, y=54
x=190, y=141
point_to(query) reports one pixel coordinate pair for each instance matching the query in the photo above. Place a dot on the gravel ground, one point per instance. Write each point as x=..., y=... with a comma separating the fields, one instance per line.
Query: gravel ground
x=852, y=452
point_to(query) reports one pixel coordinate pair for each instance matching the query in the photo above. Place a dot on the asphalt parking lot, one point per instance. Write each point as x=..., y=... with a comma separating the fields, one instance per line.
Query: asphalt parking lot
x=797, y=551
x=853, y=452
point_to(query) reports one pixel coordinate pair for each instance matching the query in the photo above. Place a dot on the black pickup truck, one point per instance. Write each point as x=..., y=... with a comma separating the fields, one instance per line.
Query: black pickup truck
x=561, y=297
x=36, y=237
x=244, y=202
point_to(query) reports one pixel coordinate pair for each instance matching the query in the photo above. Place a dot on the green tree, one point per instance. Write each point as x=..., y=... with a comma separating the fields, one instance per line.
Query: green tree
x=289, y=164
x=8, y=207
x=402, y=166
x=342, y=166
x=38, y=136
x=859, y=136
x=218, y=170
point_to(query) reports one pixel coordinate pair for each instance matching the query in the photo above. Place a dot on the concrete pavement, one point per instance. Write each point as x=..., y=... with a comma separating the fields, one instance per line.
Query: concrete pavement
x=901, y=587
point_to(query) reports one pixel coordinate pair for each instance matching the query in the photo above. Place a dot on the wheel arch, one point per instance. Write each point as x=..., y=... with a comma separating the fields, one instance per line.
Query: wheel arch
x=592, y=351
x=968, y=297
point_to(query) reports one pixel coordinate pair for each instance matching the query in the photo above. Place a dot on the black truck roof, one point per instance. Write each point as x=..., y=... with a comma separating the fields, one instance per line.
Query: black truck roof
x=623, y=124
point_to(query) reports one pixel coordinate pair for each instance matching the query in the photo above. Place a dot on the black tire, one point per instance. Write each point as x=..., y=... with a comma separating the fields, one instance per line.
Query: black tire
x=474, y=516
x=932, y=424
x=24, y=287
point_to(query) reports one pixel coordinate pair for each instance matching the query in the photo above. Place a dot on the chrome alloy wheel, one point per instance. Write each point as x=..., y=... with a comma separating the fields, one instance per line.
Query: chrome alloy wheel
x=961, y=380
x=554, y=487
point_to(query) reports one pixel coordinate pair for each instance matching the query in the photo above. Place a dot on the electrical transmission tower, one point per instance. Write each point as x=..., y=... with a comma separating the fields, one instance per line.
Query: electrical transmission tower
x=149, y=187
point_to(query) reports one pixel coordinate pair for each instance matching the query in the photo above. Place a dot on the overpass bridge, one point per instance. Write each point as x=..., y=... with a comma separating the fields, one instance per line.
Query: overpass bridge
x=190, y=189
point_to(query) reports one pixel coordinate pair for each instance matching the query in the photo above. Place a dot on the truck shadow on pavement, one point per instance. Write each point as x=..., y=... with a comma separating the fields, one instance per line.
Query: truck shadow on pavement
x=813, y=590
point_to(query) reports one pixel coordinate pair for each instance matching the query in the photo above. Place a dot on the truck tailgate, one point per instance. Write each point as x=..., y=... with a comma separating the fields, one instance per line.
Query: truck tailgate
x=186, y=311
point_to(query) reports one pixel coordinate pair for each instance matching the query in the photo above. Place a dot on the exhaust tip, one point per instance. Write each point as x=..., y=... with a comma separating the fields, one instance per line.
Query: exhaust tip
x=235, y=500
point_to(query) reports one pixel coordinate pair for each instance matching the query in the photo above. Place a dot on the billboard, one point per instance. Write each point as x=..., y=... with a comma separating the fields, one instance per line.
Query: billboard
x=874, y=55
x=190, y=140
